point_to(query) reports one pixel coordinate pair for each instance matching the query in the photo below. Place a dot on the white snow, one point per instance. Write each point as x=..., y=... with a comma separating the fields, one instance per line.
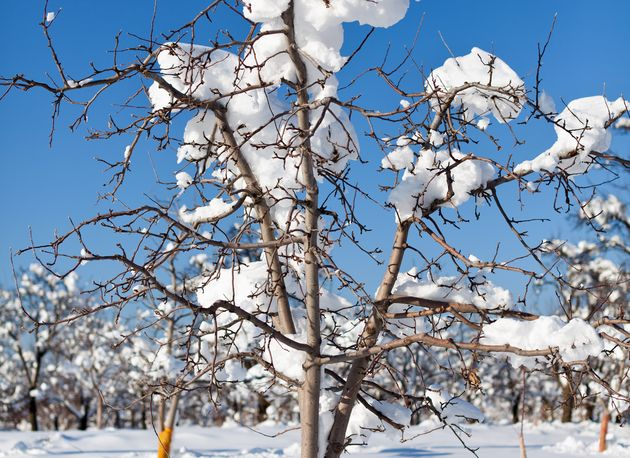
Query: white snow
x=285, y=359
x=484, y=295
x=214, y=210
x=573, y=440
x=402, y=157
x=483, y=123
x=427, y=181
x=452, y=409
x=184, y=180
x=50, y=16
x=575, y=340
x=210, y=74
x=581, y=128
x=503, y=97
x=436, y=138
x=546, y=104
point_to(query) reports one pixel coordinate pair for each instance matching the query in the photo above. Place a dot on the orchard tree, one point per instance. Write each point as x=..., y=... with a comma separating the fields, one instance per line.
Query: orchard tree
x=596, y=287
x=30, y=345
x=269, y=145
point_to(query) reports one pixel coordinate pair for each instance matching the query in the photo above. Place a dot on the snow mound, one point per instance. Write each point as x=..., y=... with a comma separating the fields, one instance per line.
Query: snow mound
x=453, y=409
x=582, y=127
x=484, y=294
x=575, y=340
x=503, y=97
x=433, y=175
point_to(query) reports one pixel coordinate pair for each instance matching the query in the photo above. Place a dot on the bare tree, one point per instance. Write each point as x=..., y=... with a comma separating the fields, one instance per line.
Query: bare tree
x=267, y=145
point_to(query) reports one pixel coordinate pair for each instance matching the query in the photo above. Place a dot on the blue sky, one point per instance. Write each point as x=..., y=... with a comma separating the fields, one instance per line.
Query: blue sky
x=42, y=187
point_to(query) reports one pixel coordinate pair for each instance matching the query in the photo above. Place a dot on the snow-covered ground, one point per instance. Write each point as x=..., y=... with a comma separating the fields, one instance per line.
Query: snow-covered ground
x=547, y=440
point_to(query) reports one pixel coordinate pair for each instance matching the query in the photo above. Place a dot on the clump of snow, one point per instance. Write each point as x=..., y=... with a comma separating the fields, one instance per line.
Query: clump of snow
x=242, y=285
x=402, y=157
x=210, y=74
x=127, y=153
x=184, y=180
x=50, y=16
x=264, y=10
x=287, y=360
x=428, y=181
x=575, y=340
x=245, y=286
x=232, y=371
x=582, y=127
x=318, y=33
x=569, y=445
x=546, y=104
x=436, y=138
x=623, y=123
x=215, y=209
x=503, y=96
x=483, y=123
x=197, y=136
x=362, y=421
x=481, y=293
x=452, y=409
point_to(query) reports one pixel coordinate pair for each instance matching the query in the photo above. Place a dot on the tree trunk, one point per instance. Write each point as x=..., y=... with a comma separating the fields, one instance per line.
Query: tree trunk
x=603, y=430
x=261, y=412
x=515, y=406
x=99, y=411
x=84, y=418
x=568, y=403
x=161, y=413
x=369, y=336
x=166, y=435
x=143, y=416
x=310, y=390
x=32, y=413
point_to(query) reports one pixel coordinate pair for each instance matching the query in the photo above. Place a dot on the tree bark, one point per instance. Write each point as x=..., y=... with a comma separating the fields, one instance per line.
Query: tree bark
x=32, y=413
x=567, y=404
x=310, y=390
x=515, y=406
x=85, y=417
x=369, y=336
x=143, y=416
x=99, y=410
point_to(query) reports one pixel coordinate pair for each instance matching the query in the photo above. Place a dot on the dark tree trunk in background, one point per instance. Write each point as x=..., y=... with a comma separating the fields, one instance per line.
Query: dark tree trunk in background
x=262, y=408
x=32, y=413
x=515, y=408
x=568, y=404
x=85, y=417
x=143, y=417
